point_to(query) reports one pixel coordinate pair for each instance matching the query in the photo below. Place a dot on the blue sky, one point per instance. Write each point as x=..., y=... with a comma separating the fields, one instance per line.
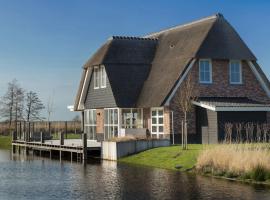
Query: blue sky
x=44, y=43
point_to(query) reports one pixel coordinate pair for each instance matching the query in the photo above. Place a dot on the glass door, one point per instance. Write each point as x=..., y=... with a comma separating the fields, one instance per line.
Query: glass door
x=111, y=123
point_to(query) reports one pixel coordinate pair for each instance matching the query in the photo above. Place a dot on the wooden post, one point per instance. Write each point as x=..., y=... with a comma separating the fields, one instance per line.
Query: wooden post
x=14, y=149
x=41, y=137
x=66, y=128
x=186, y=146
x=84, y=147
x=14, y=136
x=50, y=129
x=62, y=138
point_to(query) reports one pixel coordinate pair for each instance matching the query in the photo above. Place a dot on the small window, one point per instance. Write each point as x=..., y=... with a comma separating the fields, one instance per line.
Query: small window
x=205, y=70
x=96, y=77
x=103, y=77
x=235, y=72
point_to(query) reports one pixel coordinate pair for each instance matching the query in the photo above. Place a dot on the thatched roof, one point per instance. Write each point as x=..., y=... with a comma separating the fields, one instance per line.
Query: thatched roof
x=143, y=70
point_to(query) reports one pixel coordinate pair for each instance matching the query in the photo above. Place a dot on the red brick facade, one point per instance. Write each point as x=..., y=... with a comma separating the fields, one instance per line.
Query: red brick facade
x=220, y=87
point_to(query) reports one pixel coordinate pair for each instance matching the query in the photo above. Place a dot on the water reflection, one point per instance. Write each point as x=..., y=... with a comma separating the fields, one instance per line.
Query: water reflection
x=29, y=177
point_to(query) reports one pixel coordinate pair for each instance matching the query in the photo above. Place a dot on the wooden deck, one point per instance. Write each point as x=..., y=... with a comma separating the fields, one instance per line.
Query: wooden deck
x=77, y=146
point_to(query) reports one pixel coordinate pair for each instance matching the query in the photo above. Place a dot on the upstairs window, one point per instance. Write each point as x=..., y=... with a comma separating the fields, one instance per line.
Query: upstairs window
x=96, y=77
x=205, y=71
x=99, y=77
x=102, y=77
x=235, y=72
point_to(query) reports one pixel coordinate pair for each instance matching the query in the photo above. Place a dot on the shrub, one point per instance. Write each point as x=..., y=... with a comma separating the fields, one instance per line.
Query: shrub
x=259, y=173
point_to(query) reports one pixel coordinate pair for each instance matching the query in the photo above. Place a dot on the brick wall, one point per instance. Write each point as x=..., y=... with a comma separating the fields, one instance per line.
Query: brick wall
x=100, y=121
x=220, y=87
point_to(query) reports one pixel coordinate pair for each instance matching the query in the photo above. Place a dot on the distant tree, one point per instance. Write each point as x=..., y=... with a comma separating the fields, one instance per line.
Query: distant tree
x=76, y=118
x=12, y=102
x=34, y=106
x=49, y=108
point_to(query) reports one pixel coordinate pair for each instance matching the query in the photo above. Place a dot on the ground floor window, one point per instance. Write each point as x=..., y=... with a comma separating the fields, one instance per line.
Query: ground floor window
x=132, y=118
x=90, y=123
x=111, y=122
x=157, y=122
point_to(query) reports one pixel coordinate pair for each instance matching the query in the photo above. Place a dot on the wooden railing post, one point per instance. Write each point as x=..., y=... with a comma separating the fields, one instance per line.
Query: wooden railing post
x=84, y=137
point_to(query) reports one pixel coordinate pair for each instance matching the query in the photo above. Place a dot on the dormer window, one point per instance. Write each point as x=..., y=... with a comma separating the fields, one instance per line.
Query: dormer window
x=99, y=77
x=235, y=72
x=205, y=71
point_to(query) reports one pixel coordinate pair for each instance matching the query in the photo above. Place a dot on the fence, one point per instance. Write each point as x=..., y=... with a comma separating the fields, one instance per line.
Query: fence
x=52, y=128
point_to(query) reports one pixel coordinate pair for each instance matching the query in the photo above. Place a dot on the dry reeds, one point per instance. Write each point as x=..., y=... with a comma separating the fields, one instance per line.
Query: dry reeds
x=236, y=159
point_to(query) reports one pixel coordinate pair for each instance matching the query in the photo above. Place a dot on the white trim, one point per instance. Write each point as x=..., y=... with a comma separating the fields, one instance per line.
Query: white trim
x=86, y=79
x=179, y=82
x=259, y=78
x=251, y=108
x=240, y=72
x=157, y=125
x=232, y=108
x=204, y=105
x=210, y=70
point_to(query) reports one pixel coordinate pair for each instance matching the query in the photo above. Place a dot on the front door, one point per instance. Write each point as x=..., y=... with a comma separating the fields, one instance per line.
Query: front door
x=157, y=122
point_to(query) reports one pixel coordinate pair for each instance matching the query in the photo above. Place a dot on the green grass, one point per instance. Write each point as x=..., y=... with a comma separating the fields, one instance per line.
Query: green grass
x=5, y=142
x=166, y=157
x=69, y=136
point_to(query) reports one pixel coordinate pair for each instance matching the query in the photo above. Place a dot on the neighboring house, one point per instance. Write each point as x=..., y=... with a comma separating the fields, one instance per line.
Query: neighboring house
x=131, y=83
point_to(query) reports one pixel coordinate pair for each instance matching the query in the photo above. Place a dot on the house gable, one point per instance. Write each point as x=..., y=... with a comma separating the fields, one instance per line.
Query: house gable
x=99, y=98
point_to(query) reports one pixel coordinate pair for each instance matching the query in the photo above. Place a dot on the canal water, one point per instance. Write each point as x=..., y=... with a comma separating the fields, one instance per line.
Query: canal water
x=40, y=178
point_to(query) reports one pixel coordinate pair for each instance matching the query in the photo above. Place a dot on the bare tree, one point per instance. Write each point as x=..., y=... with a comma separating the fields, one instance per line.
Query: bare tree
x=50, y=108
x=185, y=98
x=12, y=103
x=76, y=118
x=33, y=106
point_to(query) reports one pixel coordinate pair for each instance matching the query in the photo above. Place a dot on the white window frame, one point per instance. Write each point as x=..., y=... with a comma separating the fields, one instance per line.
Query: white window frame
x=87, y=123
x=131, y=111
x=210, y=71
x=157, y=125
x=113, y=125
x=240, y=72
x=96, y=77
x=102, y=76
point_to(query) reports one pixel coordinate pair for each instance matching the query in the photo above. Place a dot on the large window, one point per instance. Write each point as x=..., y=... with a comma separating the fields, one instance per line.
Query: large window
x=90, y=123
x=111, y=123
x=157, y=119
x=132, y=118
x=205, y=71
x=99, y=77
x=235, y=72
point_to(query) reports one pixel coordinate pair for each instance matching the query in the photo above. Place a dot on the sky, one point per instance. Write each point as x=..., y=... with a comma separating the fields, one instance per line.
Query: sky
x=44, y=43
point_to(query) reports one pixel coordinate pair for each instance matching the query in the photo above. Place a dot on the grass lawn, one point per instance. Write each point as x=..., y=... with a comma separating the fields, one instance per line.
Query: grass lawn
x=166, y=157
x=5, y=142
x=69, y=136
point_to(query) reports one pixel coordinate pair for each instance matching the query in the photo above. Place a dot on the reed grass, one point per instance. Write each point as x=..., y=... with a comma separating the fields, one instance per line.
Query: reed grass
x=247, y=161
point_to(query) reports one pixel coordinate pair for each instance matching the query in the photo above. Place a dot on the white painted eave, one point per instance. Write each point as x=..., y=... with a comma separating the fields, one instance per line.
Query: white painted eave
x=232, y=108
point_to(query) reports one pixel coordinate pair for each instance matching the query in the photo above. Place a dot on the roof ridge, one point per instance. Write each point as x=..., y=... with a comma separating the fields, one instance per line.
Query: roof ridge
x=116, y=37
x=215, y=16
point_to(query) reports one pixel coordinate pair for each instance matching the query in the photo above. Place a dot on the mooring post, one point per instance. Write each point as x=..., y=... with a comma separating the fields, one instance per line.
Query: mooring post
x=14, y=149
x=14, y=136
x=84, y=136
x=41, y=137
x=62, y=138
